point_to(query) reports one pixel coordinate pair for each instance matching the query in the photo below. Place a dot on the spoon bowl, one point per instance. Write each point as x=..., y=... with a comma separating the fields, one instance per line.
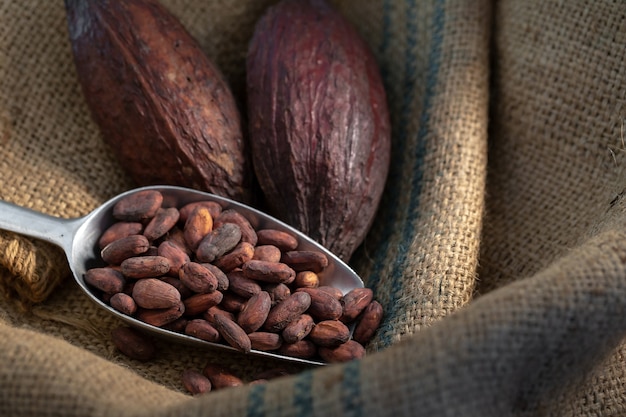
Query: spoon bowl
x=79, y=240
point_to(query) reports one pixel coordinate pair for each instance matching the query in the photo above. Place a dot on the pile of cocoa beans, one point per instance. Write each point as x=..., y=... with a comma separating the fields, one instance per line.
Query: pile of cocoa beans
x=205, y=271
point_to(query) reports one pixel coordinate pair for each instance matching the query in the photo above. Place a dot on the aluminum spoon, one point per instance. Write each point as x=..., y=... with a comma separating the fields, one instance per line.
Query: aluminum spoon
x=79, y=239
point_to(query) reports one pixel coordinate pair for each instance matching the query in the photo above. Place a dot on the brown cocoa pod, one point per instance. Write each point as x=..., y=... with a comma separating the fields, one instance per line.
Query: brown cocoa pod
x=197, y=278
x=329, y=333
x=200, y=303
x=221, y=376
x=198, y=225
x=123, y=303
x=209, y=315
x=145, y=267
x=282, y=240
x=303, y=349
x=243, y=252
x=272, y=272
x=267, y=253
x=203, y=330
x=354, y=302
x=286, y=311
x=160, y=317
x=138, y=206
x=216, y=243
x=213, y=206
x=175, y=254
x=306, y=279
x=222, y=279
x=277, y=292
x=254, y=312
x=369, y=322
x=119, y=230
x=107, y=280
x=133, y=344
x=241, y=285
x=265, y=341
x=115, y=252
x=305, y=260
x=194, y=382
x=298, y=329
x=161, y=223
x=343, y=353
x=152, y=293
x=163, y=106
x=323, y=305
x=232, y=333
x=248, y=234
x=333, y=193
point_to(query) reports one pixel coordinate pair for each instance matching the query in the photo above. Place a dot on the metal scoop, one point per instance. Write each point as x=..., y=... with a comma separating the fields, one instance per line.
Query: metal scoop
x=79, y=239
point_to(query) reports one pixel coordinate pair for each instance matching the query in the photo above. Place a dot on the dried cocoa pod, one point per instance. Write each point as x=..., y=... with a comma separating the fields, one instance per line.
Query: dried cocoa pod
x=194, y=382
x=305, y=260
x=242, y=285
x=298, y=329
x=343, y=353
x=306, y=279
x=176, y=256
x=216, y=243
x=286, y=311
x=213, y=206
x=265, y=341
x=198, y=225
x=149, y=86
x=221, y=376
x=334, y=102
x=269, y=253
x=243, y=252
x=161, y=223
x=139, y=206
x=329, y=333
x=369, y=322
x=323, y=305
x=119, y=230
x=304, y=349
x=254, y=312
x=282, y=240
x=197, y=277
x=272, y=272
x=133, y=344
x=232, y=333
x=123, y=303
x=145, y=266
x=115, y=252
x=160, y=317
x=200, y=303
x=248, y=234
x=354, y=302
x=107, y=280
x=202, y=329
x=152, y=293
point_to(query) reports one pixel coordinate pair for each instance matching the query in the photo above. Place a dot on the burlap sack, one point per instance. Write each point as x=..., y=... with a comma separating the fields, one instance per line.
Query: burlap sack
x=499, y=251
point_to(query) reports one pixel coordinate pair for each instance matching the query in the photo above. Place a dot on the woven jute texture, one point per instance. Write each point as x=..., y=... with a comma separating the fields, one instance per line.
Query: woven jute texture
x=498, y=253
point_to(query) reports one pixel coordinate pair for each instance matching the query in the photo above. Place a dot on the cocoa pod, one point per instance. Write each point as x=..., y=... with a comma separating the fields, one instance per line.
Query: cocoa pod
x=152, y=293
x=267, y=253
x=282, y=240
x=221, y=376
x=334, y=102
x=248, y=234
x=107, y=280
x=194, y=382
x=323, y=305
x=265, y=341
x=123, y=303
x=354, y=302
x=197, y=277
x=203, y=330
x=115, y=252
x=329, y=333
x=150, y=87
x=298, y=329
x=133, y=344
x=272, y=272
x=160, y=317
x=175, y=255
x=199, y=303
x=343, y=353
x=254, y=312
x=139, y=206
x=145, y=266
x=216, y=243
x=161, y=223
x=305, y=260
x=119, y=230
x=286, y=311
x=232, y=333
x=369, y=322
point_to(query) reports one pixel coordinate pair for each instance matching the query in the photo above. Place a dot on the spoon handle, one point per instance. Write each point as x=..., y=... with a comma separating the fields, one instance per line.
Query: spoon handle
x=28, y=222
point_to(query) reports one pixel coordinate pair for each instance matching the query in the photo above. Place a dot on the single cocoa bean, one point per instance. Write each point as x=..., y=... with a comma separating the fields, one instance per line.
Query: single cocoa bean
x=298, y=329
x=269, y=253
x=272, y=272
x=152, y=293
x=213, y=207
x=239, y=284
x=107, y=280
x=221, y=376
x=123, y=303
x=334, y=291
x=282, y=240
x=175, y=255
x=286, y=311
x=354, y=302
x=115, y=252
x=145, y=267
x=248, y=234
x=185, y=291
x=161, y=316
x=177, y=325
x=198, y=278
x=369, y=322
x=303, y=349
x=306, y=279
x=119, y=230
x=219, y=241
x=177, y=235
x=138, y=206
x=305, y=260
x=232, y=333
x=161, y=223
x=324, y=306
x=232, y=302
x=203, y=330
x=277, y=292
x=133, y=344
x=242, y=253
x=343, y=353
x=222, y=279
x=198, y=225
x=254, y=312
x=329, y=333
x=209, y=315
x=265, y=341
x=194, y=382
x=200, y=303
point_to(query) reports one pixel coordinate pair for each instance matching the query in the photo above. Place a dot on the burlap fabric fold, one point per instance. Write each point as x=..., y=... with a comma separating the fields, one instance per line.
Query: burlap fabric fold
x=498, y=253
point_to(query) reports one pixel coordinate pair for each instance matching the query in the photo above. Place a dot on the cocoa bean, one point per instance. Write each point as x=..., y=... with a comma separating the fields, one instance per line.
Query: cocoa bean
x=209, y=315
x=219, y=241
x=267, y=253
x=286, y=311
x=368, y=323
x=354, y=302
x=303, y=349
x=305, y=260
x=232, y=302
x=277, y=292
x=145, y=266
x=242, y=253
x=105, y=279
x=334, y=291
x=282, y=240
x=119, y=230
x=198, y=225
x=200, y=303
x=139, y=206
x=177, y=325
x=197, y=278
x=248, y=234
x=152, y=293
x=123, y=303
x=160, y=317
x=265, y=341
x=194, y=382
x=213, y=207
x=272, y=272
x=329, y=333
x=115, y=252
x=324, y=306
x=133, y=344
x=203, y=330
x=298, y=329
x=161, y=223
x=175, y=255
x=342, y=353
x=184, y=290
x=222, y=279
x=242, y=285
x=254, y=312
x=232, y=333
x=308, y=279
x=221, y=376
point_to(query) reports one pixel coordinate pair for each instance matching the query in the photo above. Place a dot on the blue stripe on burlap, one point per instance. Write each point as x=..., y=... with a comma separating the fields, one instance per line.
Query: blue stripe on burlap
x=303, y=394
x=419, y=153
x=256, y=401
x=351, y=390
